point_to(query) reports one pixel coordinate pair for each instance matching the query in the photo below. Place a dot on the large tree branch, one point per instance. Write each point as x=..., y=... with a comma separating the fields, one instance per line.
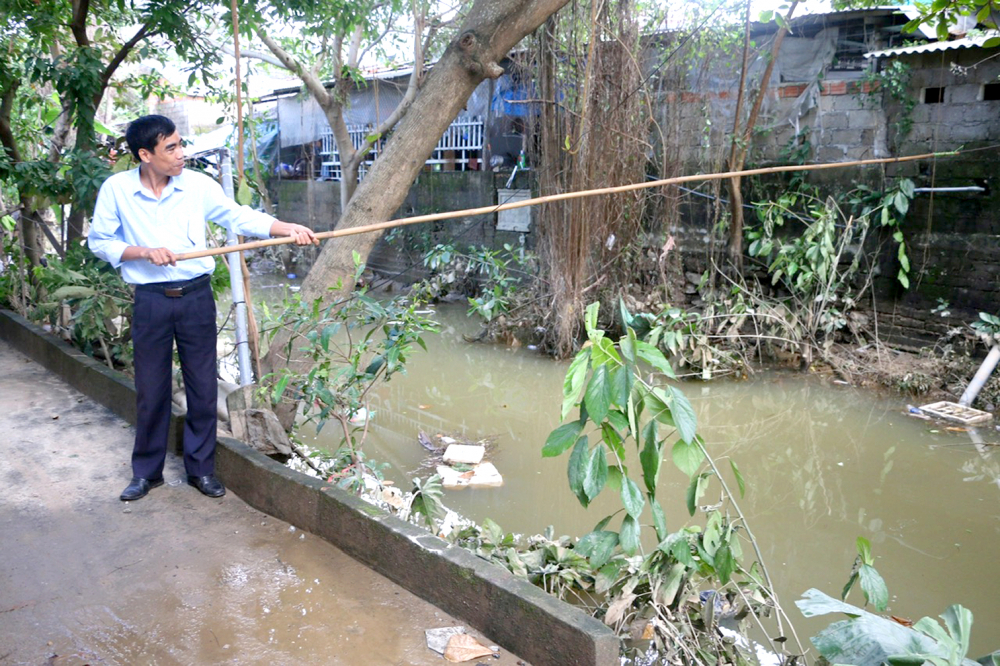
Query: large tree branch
x=6, y=135
x=79, y=22
x=269, y=58
x=109, y=71
x=310, y=79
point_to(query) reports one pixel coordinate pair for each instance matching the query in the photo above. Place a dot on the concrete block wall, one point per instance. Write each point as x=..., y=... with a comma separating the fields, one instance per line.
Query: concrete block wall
x=963, y=118
x=399, y=253
x=847, y=124
x=192, y=115
x=953, y=238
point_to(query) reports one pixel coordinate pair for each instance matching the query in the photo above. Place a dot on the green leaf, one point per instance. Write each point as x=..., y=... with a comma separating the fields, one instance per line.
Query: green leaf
x=598, y=547
x=655, y=402
x=598, y=394
x=624, y=313
x=725, y=563
x=244, y=195
x=573, y=384
x=632, y=498
x=590, y=316
x=678, y=546
x=849, y=585
x=659, y=519
x=654, y=357
x=713, y=533
x=904, y=261
x=629, y=536
x=906, y=187
x=596, y=474
x=766, y=16
x=687, y=457
x=603, y=353
x=683, y=414
x=73, y=291
x=618, y=421
x=614, y=478
x=739, y=478
x=876, y=592
x=865, y=638
x=621, y=380
x=864, y=550
x=958, y=621
x=101, y=128
x=992, y=43
x=901, y=203
x=577, y=469
x=561, y=439
x=696, y=489
x=903, y=279
x=279, y=389
x=613, y=439
x=650, y=457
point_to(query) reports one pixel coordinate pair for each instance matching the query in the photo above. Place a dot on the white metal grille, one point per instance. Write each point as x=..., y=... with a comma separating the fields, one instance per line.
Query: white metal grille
x=460, y=149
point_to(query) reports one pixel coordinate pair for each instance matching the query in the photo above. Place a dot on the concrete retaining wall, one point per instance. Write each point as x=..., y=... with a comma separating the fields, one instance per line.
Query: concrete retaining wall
x=518, y=615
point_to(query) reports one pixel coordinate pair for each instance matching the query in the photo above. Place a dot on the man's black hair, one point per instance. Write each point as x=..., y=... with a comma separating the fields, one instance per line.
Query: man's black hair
x=146, y=132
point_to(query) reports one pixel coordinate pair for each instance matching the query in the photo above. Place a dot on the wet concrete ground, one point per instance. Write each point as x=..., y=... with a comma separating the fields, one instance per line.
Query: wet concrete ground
x=175, y=578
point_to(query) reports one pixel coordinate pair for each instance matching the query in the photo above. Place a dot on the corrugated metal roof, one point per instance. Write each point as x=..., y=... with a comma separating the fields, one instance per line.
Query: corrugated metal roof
x=932, y=47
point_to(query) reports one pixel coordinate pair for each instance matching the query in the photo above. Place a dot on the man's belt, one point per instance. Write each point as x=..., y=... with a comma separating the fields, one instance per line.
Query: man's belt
x=175, y=289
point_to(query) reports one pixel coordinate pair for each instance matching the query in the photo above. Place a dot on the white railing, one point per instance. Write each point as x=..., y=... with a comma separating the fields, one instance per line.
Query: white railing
x=460, y=149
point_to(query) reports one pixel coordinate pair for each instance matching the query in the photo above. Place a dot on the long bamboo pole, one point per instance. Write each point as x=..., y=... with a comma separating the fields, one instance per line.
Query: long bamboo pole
x=484, y=210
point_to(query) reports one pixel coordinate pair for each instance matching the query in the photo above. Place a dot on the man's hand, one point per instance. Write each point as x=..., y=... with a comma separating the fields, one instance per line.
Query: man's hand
x=302, y=235
x=158, y=256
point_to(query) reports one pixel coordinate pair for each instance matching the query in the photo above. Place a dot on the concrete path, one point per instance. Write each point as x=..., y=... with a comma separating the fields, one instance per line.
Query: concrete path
x=175, y=578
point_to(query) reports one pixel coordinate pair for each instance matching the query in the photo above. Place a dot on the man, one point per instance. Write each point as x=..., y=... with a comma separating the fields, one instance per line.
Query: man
x=143, y=219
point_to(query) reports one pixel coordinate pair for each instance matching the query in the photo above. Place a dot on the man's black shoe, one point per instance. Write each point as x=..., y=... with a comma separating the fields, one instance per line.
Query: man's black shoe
x=208, y=485
x=139, y=488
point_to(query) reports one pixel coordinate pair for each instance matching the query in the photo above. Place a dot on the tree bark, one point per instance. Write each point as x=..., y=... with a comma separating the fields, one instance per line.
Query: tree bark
x=742, y=145
x=490, y=30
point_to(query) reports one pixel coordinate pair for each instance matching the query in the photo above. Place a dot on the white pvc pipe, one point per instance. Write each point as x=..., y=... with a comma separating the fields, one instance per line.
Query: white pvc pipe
x=982, y=375
x=969, y=188
x=236, y=280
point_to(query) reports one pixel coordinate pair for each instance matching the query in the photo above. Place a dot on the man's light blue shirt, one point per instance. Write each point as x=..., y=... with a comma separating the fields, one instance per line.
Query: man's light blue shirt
x=127, y=213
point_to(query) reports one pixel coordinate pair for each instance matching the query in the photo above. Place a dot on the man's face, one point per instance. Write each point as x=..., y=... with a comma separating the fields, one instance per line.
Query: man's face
x=167, y=158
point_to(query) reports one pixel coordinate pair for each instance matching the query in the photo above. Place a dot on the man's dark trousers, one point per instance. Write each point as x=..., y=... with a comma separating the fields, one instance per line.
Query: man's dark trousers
x=159, y=319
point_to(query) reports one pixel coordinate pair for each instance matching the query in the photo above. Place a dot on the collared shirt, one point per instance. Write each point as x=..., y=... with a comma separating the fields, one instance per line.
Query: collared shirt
x=127, y=213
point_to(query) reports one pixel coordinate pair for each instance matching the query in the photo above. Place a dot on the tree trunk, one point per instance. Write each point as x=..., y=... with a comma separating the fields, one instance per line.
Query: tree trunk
x=742, y=145
x=490, y=30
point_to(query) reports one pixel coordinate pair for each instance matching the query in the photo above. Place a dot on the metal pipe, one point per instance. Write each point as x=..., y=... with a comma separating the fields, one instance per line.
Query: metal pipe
x=970, y=188
x=236, y=279
x=982, y=375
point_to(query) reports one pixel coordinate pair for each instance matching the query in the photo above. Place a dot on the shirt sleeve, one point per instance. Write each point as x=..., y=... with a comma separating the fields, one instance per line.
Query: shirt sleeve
x=239, y=219
x=106, y=238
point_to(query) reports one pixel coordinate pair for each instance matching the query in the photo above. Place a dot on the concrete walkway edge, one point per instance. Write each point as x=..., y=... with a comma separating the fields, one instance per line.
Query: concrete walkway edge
x=518, y=615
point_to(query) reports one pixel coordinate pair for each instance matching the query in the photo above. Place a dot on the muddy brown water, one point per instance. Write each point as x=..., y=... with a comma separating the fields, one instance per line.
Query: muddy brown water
x=824, y=464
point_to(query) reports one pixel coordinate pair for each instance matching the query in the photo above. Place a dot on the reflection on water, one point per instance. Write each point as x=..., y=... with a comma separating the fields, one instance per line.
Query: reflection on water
x=823, y=464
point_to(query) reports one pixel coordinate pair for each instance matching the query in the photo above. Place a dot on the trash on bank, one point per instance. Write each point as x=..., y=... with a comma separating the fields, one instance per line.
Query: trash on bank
x=466, y=454
x=463, y=647
x=437, y=639
x=483, y=475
